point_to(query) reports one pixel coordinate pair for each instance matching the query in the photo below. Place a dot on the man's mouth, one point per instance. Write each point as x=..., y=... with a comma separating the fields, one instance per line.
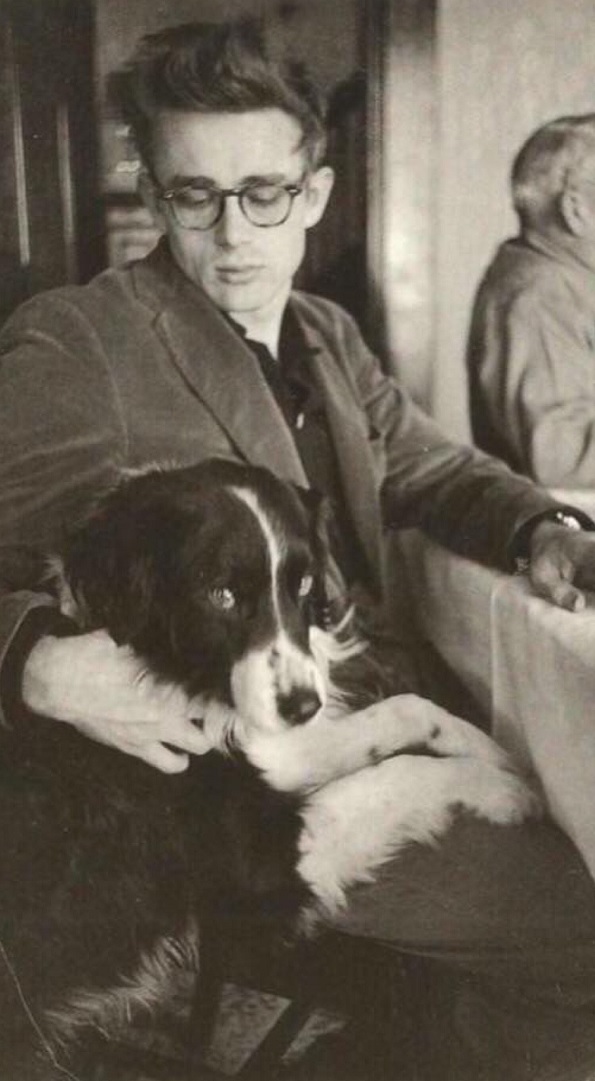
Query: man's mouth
x=237, y=274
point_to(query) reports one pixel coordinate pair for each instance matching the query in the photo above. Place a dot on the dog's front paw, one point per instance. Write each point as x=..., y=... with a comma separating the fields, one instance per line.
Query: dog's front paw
x=409, y=724
x=500, y=795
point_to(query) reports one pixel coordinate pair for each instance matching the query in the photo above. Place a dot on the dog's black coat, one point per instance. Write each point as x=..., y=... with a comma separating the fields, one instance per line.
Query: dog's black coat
x=214, y=575
x=101, y=854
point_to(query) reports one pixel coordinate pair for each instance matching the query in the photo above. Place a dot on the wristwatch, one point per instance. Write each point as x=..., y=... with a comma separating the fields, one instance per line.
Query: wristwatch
x=568, y=520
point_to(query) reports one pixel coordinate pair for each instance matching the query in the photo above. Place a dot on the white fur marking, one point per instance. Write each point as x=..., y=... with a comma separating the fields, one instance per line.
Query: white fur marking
x=264, y=674
x=275, y=550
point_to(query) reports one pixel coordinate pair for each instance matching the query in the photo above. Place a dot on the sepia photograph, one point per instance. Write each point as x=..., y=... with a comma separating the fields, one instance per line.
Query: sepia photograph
x=297, y=540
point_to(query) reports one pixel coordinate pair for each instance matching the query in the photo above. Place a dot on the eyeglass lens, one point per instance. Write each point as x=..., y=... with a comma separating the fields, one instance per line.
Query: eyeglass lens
x=262, y=204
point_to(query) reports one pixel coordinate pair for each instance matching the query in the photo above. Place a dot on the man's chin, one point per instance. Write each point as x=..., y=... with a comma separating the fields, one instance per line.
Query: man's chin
x=238, y=297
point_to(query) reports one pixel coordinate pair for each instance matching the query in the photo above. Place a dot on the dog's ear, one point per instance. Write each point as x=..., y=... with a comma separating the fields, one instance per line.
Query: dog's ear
x=318, y=509
x=110, y=566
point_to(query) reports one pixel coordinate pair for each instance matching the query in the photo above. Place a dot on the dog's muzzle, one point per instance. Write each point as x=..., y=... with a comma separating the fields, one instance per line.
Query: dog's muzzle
x=277, y=685
x=299, y=705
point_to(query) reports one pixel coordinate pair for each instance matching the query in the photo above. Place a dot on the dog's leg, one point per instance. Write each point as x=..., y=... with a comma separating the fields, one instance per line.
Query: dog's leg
x=306, y=757
x=355, y=824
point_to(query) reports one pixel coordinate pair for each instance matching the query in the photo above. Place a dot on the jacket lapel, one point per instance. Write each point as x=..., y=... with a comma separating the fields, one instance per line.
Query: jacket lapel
x=351, y=441
x=223, y=372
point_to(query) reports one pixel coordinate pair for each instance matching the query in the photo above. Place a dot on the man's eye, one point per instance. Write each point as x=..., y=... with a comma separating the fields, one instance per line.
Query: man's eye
x=222, y=598
x=195, y=197
x=264, y=194
x=305, y=586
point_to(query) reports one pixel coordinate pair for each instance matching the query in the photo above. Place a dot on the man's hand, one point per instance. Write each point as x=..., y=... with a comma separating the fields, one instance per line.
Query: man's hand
x=562, y=561
x=101, y=688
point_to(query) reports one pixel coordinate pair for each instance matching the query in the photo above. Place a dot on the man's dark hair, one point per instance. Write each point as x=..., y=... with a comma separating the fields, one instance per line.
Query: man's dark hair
x=216, y=67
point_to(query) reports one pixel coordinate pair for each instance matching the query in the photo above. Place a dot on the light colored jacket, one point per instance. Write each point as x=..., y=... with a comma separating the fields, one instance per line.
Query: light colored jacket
x=531, y=362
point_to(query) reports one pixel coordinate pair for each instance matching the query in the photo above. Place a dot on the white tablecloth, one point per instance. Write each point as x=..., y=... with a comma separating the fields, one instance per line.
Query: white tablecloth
x=530, y=666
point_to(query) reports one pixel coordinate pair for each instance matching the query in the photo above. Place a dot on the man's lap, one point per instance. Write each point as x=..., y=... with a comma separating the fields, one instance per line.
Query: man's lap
x=481, y=892
x=508, y=913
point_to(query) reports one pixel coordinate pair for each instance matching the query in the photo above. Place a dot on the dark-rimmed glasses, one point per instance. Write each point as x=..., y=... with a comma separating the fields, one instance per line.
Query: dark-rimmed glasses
x=201, y=206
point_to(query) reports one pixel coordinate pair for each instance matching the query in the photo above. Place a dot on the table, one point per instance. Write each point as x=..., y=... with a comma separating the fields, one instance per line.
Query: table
x=529, y=665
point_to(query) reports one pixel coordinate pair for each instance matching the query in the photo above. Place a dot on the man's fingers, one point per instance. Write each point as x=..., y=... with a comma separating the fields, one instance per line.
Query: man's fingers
x=568, y=597
x=553, y=582
x=156, y=754
x=185, y=734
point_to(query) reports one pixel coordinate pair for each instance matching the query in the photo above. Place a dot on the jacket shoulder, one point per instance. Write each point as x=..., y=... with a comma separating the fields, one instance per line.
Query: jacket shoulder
x=325, y=316
x=109, y=282
x=520, y=271
x=65, y=305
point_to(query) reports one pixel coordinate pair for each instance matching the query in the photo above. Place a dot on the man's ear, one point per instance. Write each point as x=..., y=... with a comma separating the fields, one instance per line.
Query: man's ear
x=318, y=189
x=577, y=214
x=148, y=194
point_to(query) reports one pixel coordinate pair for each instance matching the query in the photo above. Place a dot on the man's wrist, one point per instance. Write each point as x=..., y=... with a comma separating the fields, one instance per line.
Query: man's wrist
x=560, y=517
x=40, y=623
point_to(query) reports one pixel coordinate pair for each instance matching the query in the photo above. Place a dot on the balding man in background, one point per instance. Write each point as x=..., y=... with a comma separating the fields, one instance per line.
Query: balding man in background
x=531, y=352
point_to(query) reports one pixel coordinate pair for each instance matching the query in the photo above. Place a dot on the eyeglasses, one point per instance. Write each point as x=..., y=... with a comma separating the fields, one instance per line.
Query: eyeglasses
x=198, y=206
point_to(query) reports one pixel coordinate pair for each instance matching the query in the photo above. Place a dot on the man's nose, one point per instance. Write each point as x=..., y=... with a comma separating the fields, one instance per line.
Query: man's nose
x=233, y=227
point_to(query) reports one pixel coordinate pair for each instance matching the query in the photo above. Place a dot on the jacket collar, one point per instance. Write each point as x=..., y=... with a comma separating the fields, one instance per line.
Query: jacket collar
x=352, y=443
x=215, y=362
x=575, y=253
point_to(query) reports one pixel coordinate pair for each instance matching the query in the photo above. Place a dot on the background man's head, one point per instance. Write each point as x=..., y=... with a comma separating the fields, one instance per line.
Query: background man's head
x=232, y=140
x=553, y=177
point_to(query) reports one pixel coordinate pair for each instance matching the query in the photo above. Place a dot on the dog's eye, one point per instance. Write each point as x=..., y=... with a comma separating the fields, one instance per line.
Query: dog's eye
x=222, y=598
x=305, y=586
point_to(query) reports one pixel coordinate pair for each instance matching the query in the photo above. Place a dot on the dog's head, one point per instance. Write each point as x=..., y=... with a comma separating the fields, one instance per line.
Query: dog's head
x=212, y=573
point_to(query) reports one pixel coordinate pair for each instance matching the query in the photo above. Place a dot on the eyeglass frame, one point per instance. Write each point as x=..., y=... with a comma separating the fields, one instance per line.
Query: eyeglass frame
x=168, y=195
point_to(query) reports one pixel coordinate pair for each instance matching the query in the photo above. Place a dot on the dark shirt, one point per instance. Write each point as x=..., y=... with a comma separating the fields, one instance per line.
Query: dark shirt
x=299, y=398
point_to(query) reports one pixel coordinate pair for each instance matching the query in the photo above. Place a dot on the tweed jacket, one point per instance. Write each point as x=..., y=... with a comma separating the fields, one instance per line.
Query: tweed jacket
x=139, y=367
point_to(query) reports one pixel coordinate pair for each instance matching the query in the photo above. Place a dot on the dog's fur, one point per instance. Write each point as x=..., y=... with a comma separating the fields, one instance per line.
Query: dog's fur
x=114, y=874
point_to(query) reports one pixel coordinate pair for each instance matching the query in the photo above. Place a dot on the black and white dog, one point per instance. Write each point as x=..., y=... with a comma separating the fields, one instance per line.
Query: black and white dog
x=112, y=874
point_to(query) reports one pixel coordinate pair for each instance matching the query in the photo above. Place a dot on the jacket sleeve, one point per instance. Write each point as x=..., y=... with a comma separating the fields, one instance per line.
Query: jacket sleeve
x=61, y=434
x=534, y=363
x=466, y=500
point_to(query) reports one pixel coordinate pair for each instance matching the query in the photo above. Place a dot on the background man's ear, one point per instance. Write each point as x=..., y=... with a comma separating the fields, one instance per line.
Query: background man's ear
x=146, y=190
x=318, y=190
x=574, y=211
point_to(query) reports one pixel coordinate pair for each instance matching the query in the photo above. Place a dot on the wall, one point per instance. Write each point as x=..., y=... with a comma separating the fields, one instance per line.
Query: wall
x=402, y=136
x=51, y=230
x=504, y=67
x=324, y=30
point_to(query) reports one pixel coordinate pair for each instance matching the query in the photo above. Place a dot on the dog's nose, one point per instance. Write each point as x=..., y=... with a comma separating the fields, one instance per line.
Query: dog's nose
x=299, y=705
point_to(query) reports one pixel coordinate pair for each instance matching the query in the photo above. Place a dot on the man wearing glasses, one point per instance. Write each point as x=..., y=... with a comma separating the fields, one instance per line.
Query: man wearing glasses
x=204, y=349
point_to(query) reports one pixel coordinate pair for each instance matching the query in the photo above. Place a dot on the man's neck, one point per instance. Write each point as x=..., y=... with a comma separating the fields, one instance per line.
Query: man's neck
x=263, y=325
x=563, y=245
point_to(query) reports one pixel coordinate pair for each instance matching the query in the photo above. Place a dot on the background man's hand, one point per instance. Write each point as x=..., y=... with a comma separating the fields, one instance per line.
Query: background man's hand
x=102, y=689
x=562, y=564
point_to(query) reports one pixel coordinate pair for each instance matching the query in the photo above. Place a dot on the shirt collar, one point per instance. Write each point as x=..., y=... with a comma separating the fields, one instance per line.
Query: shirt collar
x=574, y=254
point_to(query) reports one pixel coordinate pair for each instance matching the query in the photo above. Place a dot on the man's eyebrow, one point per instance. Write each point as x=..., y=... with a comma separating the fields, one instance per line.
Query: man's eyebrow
x=181, y=180
x=266, y=178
